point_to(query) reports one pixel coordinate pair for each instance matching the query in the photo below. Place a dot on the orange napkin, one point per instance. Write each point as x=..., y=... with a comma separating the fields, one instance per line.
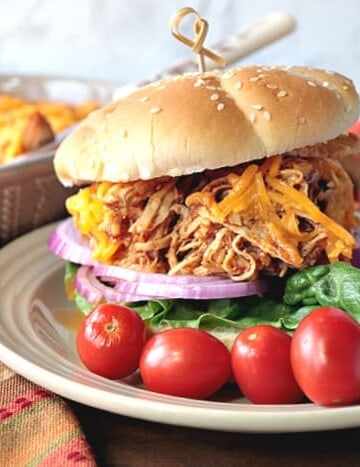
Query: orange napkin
x=37, y=427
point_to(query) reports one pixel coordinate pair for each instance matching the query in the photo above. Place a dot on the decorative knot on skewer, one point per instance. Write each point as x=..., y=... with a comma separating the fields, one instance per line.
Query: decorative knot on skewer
x=201, y=28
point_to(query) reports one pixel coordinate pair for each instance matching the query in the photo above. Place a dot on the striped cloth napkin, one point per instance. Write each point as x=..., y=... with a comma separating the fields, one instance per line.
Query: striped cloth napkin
x=37, y=427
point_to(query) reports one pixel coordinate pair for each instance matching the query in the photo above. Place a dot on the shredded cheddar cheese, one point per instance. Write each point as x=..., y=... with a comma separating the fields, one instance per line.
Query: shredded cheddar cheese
x=89, y=213
x=240, y=184
x=259, y=193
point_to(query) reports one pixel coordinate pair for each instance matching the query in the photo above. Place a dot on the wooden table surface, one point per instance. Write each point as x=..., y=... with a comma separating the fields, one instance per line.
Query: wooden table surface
x=122, y=441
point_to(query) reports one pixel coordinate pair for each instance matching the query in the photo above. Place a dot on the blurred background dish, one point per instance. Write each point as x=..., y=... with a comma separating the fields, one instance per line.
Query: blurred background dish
x=30, y=194
x=37, y=110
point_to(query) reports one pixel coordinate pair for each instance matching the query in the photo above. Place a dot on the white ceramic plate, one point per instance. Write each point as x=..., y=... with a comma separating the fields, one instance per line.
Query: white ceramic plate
x=35, y=344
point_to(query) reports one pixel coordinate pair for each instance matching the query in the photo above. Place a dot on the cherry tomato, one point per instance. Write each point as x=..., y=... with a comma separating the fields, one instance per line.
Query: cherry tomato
x=261, y=366
x=355, y=128
x=325, y=355
x=185, y=362
x=110, y=340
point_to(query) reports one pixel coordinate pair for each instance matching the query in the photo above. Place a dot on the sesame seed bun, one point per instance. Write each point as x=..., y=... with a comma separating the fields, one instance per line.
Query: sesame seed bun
x=206, y=121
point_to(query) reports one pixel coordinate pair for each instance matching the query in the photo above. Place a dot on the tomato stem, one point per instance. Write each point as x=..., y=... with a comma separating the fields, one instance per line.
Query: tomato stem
x=110, y=327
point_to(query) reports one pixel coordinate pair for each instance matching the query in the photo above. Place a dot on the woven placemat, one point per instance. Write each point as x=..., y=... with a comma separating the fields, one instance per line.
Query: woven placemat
x=37, y=427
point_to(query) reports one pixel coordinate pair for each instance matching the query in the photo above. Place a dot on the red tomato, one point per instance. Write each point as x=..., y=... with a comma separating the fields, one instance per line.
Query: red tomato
x=325, y=355
x=355, y=128
x=185, y=362
x=261, y=366
x=110, y=339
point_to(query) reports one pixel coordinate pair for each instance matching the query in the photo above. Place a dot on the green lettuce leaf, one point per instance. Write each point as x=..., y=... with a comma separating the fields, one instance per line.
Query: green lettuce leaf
x=232, y=314
x=72, y=294
x=82, y=304
x=336, y=285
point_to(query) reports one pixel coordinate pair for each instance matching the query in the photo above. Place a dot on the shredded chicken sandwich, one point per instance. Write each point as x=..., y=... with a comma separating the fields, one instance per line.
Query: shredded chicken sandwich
x=236, y=221
x=234, y=174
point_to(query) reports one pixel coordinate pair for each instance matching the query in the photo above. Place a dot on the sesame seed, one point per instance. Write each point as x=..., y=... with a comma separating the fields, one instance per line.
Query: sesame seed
x=345, y=88
x=220, y=106
x=254, y=78
x=238, y=85
x=282, y=94
x=262, y=75
x=228, y=74
x=312, y=84
x=271, y=86
x=325, y=84
x=329, y=72
x=214, y=97
x=155, y=110
x=301, y=120
x=199, y=82
x=267, y=115
x=252, y=117
x=211, y=88
x=143, y=99
x=257, y=106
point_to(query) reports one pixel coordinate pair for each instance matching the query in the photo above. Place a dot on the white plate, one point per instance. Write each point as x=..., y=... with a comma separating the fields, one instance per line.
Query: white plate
x=36, y=345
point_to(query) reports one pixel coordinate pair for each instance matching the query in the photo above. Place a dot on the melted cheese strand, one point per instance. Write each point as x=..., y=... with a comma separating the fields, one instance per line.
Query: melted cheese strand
x=89, y=213
x=240, y=185
x=303, y=204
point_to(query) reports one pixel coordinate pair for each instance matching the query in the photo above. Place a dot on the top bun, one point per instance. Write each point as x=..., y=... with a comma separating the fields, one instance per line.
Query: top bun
x=203, y=121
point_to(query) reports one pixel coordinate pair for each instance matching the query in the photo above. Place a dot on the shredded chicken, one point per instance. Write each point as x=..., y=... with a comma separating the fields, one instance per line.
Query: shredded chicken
x=266, y=217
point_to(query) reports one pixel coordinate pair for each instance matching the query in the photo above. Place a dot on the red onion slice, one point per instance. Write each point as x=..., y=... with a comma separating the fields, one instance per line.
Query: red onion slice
x=95, y=291
x=151, y=290
x=66, y=243
x=119, y=273
x=205, y=291
x=355, y=260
